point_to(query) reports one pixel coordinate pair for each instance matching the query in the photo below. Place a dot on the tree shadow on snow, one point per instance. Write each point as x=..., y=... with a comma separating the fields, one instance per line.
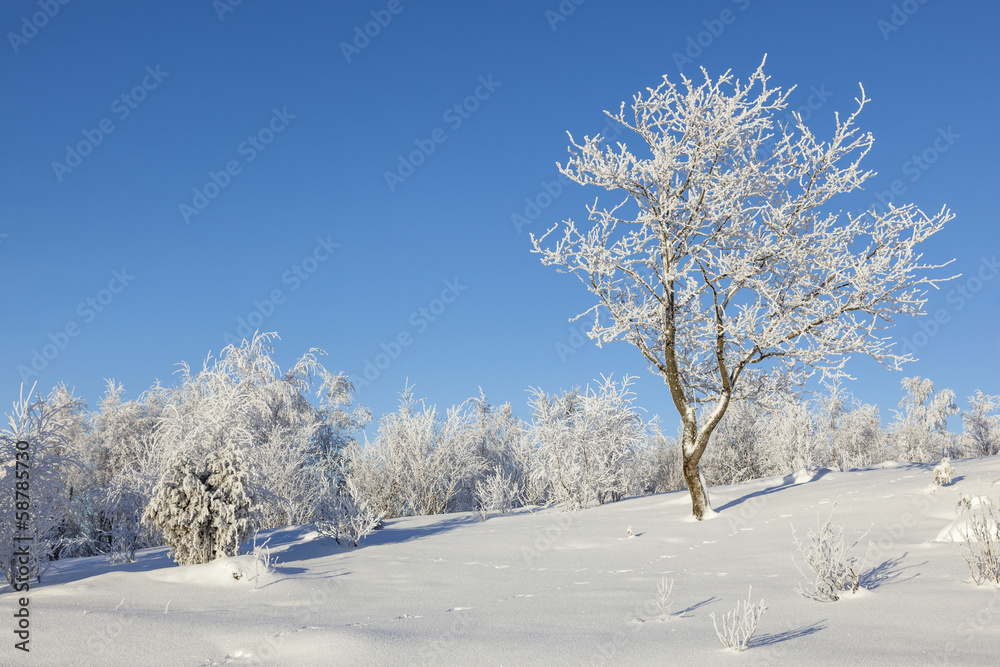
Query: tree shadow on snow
x=403, y=530
x=787, y=482
x=772, y=638
x=888, y=571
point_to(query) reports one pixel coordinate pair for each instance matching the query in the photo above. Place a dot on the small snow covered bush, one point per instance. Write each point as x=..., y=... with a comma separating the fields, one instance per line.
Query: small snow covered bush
x=943, y=472
x=263, y=561
x=833, y=570
x=202, y=509
x=349, y=515
x=738, y=625
x=497, y=493
x=979, y=541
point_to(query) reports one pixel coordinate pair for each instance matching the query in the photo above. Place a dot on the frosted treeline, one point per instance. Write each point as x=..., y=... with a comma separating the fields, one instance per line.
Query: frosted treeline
x=242, y=445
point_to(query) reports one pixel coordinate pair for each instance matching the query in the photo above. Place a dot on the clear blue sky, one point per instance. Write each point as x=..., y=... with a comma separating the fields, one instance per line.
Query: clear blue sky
x=299, y=131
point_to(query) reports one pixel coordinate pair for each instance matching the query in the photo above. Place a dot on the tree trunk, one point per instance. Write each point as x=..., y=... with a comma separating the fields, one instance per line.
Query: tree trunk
x=701, y=507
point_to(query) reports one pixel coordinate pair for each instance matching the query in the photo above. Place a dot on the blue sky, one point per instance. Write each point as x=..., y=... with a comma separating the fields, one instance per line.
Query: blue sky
x=221, y=155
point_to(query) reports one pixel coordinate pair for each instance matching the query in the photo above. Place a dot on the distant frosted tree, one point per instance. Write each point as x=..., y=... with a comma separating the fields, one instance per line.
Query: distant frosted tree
x=44, y=424
x=920, y=430
x=725, y=249
x=982, y=424
x=418, y=462
x=586, y=440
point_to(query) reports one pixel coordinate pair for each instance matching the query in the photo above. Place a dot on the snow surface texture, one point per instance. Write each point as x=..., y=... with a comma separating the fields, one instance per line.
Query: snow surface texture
x=545, y=587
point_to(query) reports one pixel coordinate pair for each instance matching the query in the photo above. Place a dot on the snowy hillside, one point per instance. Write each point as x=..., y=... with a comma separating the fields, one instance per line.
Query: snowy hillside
x=544, y=587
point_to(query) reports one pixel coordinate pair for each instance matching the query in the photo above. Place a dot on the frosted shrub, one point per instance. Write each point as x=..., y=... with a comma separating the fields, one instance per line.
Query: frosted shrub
x=979, y=543
x=291, y=447
x=496, y=493
x=943, y=472
x=792, y=441
x=349, y=515
x=44, y=424
x=737, y=626
x=832, y=570
x=202, y=509
x=263, y=561
x=861, y=441
x=418, y=463
x=586, y=440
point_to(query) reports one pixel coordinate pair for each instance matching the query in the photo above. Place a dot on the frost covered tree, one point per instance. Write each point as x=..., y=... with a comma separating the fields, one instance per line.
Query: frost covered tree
x=203, y=508
x=291, y=446
x=723, y=251
x=33, y=481
x=982, y=425
x=920, y=430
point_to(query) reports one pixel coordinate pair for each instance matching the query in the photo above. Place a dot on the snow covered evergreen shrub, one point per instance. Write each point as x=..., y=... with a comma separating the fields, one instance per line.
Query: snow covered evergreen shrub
x=586, y=440
x=943, y=472
x=981, y=434
x=737, y=626
x=292, y=448
x=833, y=570
x=202, y=508
x=45, y=424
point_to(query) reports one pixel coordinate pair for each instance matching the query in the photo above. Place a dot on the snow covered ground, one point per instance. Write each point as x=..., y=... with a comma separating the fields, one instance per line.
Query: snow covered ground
x=544, y=587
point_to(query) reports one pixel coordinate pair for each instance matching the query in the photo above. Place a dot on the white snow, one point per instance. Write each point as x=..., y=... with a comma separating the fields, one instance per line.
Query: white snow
x=544, y=587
